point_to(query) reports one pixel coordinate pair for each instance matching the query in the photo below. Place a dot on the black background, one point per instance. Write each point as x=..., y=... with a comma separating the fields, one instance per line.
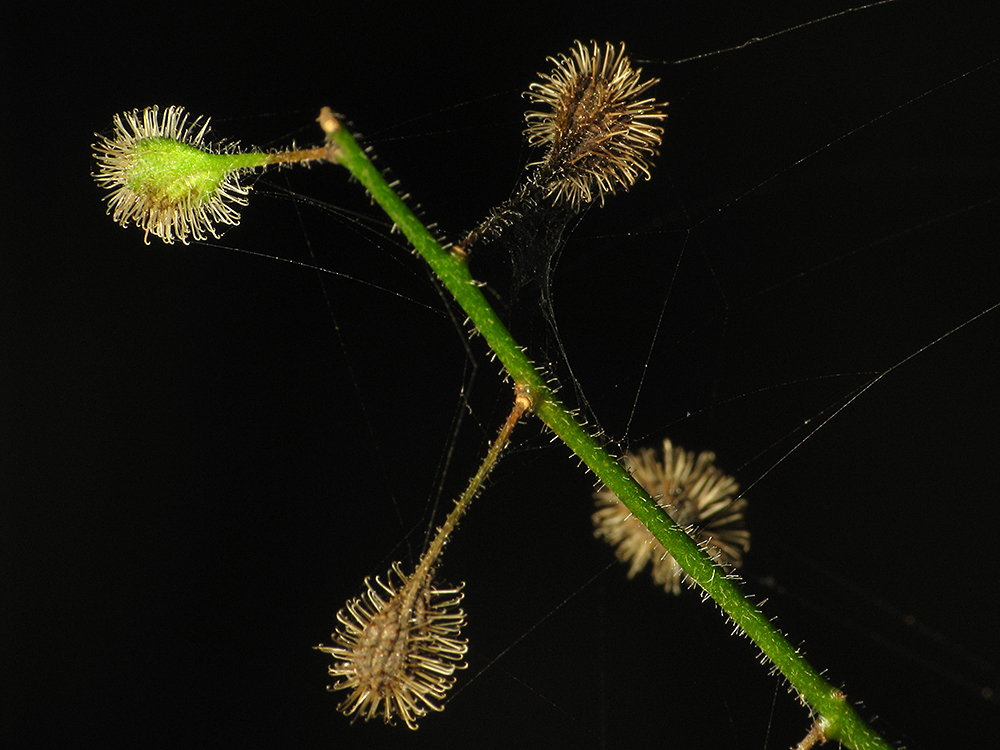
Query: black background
x=205, y=452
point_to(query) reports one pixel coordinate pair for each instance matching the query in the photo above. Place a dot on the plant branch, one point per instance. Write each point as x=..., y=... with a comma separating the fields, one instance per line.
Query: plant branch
x=840, y=721
x=522, y=403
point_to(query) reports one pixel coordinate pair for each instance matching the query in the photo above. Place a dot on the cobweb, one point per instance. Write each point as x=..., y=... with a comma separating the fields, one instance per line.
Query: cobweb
x=806, y=287
x=795, y=290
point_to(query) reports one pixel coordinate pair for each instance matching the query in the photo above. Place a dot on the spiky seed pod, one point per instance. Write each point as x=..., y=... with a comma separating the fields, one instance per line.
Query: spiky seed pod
x=598, y=131
x=166, y=178
x=398, y=645
x=695, y=494
x=397, y=648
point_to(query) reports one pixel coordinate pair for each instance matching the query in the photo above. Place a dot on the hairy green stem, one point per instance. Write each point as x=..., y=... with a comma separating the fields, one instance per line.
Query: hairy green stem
x=837, y=718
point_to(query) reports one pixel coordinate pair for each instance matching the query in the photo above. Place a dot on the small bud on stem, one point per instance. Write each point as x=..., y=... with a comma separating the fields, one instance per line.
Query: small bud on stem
x=167, y=179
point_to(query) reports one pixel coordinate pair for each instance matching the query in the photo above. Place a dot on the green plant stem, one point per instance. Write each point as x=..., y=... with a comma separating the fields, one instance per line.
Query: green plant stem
x=837, y=717
x=165, y=156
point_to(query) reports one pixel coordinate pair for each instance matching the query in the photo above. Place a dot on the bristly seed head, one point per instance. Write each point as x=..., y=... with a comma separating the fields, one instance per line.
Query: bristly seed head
x=166, y=178
x=598, y=132
x=695, y=494
x=397, y=648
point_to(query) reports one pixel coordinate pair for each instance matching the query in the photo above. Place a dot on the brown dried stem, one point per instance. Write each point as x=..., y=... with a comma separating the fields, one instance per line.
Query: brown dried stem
x=398, y=644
